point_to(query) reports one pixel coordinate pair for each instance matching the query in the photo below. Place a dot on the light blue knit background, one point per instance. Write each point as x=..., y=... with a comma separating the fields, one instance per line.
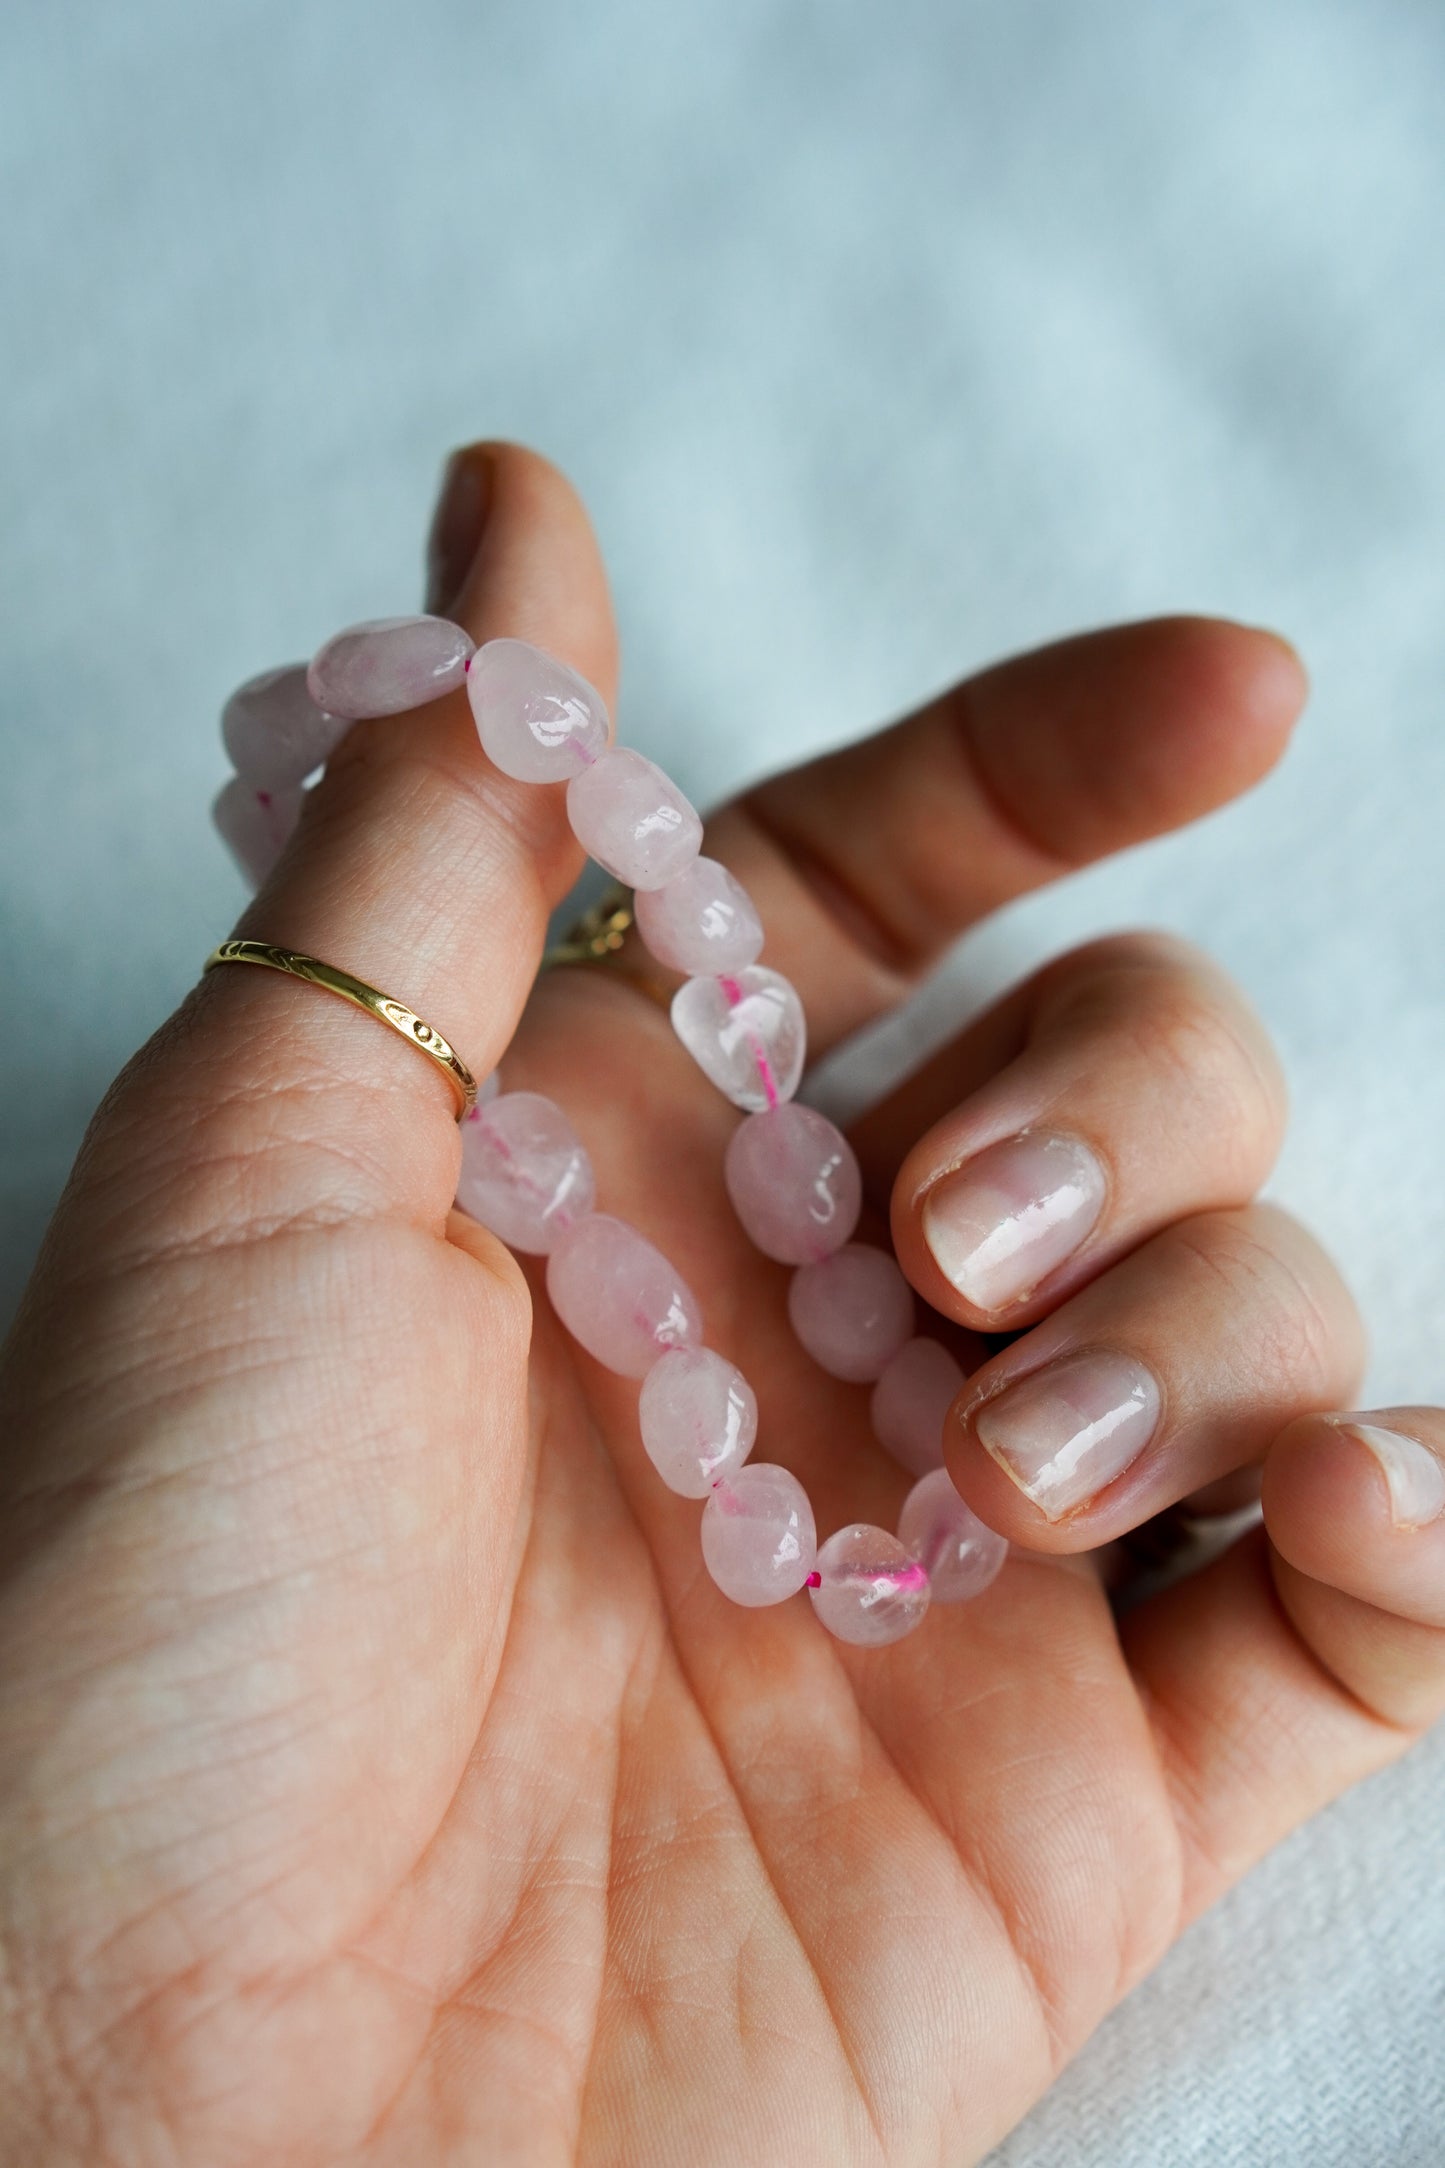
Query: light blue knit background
x=881, y=339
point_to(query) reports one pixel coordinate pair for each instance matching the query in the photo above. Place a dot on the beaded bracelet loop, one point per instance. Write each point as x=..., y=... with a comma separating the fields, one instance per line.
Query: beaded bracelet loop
x=790, y=1173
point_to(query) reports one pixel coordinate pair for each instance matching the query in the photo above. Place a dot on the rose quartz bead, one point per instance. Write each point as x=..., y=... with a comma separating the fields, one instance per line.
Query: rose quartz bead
x=958, y=1552
x=910, y=1401
x=256, y=824
x=524, y=1172
x=698, y=1416
x=633, y=819
x=619, y=1296
x=869, y=1589
x=537, y=720
x=273, y=730
x=387, y=665
x=758, y=1537
x=746, y=1032
x=794, y=1183
x=702, y=922
x=852, y=1312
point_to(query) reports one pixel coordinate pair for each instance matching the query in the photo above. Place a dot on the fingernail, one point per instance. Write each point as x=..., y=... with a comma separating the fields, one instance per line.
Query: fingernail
x=456, y=528
x=1414, y=1476
x=1011, y=1215
x=1066, y=1431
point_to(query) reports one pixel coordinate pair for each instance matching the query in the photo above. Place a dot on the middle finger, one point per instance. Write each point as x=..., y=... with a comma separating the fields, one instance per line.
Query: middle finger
x=1125, y=1086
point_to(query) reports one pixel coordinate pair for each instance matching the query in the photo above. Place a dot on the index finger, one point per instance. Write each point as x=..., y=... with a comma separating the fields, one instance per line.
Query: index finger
x=865, y=864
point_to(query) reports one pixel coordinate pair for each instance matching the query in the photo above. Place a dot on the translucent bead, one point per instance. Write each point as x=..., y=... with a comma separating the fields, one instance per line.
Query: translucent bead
x=869, y=1590
x=387, y=665
x=273, y=731
x=524, y=1171
x=852, y=1312
x=794, y=1183
x=256, y=825
x=702, y=922
x=746, y=1032
x=698, y=1416
x=633, y=819
x=958, y=1552
x=758, y=1536
x=537, y=720
x=619, y=1296
x=910, y=1401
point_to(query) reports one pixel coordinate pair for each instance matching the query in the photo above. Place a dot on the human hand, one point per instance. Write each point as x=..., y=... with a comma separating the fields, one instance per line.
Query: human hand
x=381, y=1777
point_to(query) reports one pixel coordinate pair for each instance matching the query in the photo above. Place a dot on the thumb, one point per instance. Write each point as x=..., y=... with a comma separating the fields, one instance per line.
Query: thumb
x=416, y=866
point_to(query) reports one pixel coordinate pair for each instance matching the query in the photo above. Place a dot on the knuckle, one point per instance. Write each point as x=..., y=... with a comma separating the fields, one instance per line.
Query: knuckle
x=1180, y=1020
x=1301, y=1320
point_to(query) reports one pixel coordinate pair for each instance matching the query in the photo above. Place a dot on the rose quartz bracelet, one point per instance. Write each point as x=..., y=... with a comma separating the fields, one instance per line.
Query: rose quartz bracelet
x=791, y=1174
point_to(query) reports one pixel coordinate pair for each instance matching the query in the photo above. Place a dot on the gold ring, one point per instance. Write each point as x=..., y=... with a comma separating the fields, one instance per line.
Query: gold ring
x=599, y=932
x=404, y=1021
x=599, y=935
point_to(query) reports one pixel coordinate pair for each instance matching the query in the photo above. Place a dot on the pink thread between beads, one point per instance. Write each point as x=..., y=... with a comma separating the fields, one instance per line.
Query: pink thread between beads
x=675, y=1328
x=764, y=1067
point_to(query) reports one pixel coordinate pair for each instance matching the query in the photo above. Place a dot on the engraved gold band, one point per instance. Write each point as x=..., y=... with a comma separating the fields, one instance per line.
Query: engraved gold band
x=404, y=1021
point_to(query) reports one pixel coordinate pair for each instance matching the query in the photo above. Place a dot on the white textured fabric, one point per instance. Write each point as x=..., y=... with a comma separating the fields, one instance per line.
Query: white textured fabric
x=881, y=340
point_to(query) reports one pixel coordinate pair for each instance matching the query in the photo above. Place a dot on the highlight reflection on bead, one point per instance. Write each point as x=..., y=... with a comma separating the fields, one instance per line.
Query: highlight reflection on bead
x=794, y=1183
x=619, y=1296
x=702, y=922
x=870, y=1591
x=524, y=1173
x=758, y=1537
x=746, y=1032
x=960, y=1553
x=387, y=665
x=698, y=1416
x=633, y=819
x=538, y=721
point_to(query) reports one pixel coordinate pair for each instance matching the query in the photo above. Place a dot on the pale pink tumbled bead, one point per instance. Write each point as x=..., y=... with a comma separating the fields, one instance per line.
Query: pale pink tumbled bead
x=910, y=1401
x=758, y=1536
x=746, y=1032
x=387, y=665
x=256, y=825
x=633, y=819
x=537, y=720
x=524, y=1173
x=698, y=1416
x=273, y=731
x=869, y=1590
x=704, y=921
x=794, y=1183
x=960, y=1553
x=852, y=1312
x=619, y=1296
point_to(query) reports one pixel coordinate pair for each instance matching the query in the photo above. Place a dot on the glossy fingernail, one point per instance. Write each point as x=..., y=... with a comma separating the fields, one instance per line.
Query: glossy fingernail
x=1011, y=1215
x=1065, y=1432
x=456, y=529
x=1414, y=1476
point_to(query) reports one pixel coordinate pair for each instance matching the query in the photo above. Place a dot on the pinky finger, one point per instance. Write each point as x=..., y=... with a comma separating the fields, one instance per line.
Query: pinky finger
x=1355, y=1507
x=1312, y=1652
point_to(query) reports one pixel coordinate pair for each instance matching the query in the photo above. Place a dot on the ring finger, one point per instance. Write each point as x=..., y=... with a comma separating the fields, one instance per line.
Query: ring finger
x=1175, y=1367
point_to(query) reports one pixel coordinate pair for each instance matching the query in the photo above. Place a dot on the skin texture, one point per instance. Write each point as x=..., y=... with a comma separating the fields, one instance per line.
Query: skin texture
x=381, y=1778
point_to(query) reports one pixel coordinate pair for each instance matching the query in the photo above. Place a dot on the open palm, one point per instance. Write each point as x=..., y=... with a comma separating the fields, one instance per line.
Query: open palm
x=381, y=1776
